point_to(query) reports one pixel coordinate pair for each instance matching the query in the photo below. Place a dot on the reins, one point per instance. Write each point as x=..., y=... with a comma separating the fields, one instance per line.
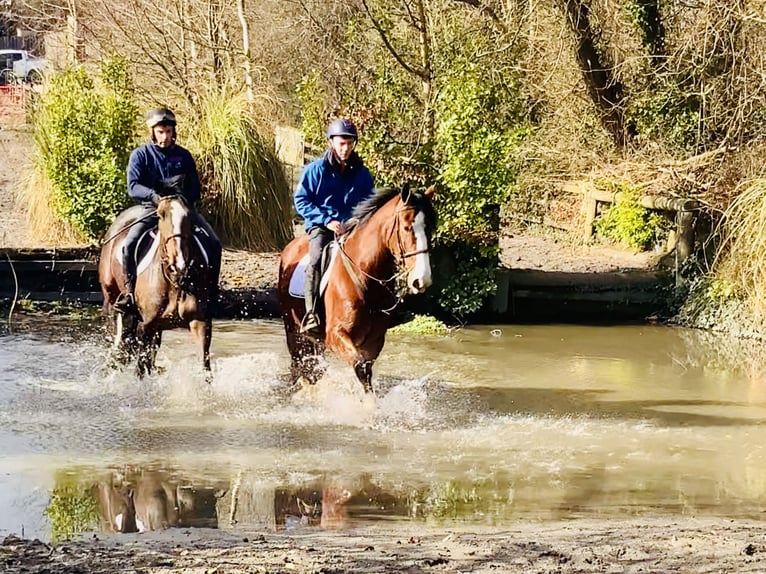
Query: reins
x=129, y=225
x=348, y=262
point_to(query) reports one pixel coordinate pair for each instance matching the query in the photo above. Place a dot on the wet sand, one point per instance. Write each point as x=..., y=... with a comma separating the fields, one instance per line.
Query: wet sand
x=578, y=546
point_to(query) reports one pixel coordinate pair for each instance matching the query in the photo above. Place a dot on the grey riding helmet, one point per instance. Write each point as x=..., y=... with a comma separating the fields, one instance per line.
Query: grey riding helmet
x=342, y=127
x=160, y=116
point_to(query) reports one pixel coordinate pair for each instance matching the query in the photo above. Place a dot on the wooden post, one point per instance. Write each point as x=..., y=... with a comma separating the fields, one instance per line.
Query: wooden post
x=684, y=235
x=589, y=206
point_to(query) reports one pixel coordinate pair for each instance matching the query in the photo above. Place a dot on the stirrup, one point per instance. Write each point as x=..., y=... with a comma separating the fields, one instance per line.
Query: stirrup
x=310, y=323
x=125, y=302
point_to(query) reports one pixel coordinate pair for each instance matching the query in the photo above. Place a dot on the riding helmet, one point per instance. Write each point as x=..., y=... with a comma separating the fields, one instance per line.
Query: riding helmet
x=342, y=127
x=160, y=116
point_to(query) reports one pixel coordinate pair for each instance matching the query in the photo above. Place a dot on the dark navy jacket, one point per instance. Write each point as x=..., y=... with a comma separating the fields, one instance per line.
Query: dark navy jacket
x=325, y=194
x=149, y=165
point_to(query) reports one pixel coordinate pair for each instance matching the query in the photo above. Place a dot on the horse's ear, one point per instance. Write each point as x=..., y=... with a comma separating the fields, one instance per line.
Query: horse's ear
x=405, y=193
x=430, y=192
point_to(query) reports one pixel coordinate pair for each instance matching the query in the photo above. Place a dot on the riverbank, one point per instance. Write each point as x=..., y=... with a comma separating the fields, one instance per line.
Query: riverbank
x=690, y=545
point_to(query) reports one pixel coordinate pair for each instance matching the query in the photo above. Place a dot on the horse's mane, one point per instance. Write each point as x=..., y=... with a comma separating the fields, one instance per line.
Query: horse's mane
x=365, y=210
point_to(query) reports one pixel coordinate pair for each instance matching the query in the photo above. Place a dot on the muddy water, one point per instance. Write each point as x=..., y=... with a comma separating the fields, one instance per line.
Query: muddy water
x=486, y=426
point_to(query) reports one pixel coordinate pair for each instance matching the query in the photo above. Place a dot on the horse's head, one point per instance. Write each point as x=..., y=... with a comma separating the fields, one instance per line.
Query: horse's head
x=175, y=229
x=411, y=238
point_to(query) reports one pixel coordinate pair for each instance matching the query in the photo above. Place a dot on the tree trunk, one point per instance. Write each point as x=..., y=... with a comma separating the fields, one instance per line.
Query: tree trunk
x=604, y=89
x=424, y=38
x=246, y=49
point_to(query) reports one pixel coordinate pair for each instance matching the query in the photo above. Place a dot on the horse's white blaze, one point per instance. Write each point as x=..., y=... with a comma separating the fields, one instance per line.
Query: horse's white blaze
x=420, y=277
x=177, y=216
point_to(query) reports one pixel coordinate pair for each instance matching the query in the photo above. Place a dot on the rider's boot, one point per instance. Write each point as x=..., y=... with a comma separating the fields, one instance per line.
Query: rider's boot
x=126, y=301
x=310, y=323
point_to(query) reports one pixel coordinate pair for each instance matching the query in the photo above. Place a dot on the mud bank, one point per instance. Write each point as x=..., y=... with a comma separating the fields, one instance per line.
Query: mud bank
x=568, y=547
x=248, y=287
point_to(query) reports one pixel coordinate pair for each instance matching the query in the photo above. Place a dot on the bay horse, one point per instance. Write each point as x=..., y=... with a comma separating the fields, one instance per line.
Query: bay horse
x=387, y=240
x=173, y=287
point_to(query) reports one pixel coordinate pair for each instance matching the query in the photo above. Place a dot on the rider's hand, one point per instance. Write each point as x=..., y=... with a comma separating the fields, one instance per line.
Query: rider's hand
x=336, y=227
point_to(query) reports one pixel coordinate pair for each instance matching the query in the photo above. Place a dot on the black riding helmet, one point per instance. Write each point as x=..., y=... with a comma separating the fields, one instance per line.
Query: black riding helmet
x=342, y=127
x=160, y=117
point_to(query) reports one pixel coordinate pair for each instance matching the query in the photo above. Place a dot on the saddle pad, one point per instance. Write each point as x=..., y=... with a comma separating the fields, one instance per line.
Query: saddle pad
x=148, y=244
x=298, y=278
x=146, y=247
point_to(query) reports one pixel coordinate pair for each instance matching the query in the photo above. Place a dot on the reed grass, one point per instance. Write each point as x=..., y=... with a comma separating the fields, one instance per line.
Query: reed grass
x=247, y=196
x=741, y=257
x=35, y=191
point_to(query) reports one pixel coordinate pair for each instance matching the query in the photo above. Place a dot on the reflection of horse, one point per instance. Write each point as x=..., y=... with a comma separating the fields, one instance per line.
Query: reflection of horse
x=173, y=287
x=154, y=500
x=388, y=238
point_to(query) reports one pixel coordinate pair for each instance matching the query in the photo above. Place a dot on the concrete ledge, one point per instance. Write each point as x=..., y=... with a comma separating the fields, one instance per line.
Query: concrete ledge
x=523, y=295
x=71, y=275
x=533, y=295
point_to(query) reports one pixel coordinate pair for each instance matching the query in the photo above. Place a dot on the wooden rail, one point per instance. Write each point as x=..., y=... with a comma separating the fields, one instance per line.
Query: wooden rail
x=685, y=211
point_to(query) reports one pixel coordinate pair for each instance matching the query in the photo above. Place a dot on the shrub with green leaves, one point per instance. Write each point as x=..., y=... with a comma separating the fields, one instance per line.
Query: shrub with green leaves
x=669, y=115
x=479, y=136
x=312, y=96
x=421, y=325
x=630, y=224
x=84, y=130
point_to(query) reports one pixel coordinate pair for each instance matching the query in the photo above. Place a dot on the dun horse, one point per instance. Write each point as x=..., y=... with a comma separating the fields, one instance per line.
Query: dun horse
x=173, y=286
x=388, y=239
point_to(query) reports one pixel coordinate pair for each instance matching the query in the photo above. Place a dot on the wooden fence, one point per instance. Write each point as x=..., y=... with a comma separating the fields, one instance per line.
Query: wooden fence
x=683, y=211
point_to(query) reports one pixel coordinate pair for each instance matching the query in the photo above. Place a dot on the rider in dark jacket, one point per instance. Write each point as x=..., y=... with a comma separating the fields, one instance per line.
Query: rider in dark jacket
x=149, y=167
x=329, y=190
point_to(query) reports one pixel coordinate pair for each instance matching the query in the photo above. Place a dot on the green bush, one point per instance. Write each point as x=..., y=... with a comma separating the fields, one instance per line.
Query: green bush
x=71, y=510
x=626, y=222
x=312, y=97
x=669, y=115
x=84, y=131
x=421, y=325
x=464, y=276
x=479, y=136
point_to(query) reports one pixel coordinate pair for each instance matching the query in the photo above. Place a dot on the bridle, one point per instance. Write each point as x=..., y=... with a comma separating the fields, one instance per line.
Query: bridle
x=173, y=278
x=399, y=260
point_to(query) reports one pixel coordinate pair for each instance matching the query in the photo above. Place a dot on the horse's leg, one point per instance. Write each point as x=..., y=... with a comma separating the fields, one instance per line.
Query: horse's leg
x=155, y=347
x=118, y=330
x=305, y=357
x=341, y=342
x=202, y=333
x=145, y=338
x=363, y=370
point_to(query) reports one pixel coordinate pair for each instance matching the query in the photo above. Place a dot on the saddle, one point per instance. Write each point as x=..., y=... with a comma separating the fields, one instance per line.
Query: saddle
x=298, y=279
x=149, y=242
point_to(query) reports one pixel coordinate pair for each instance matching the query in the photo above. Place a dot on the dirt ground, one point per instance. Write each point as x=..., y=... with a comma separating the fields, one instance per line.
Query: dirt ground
x=669, y=544
x=579, y=546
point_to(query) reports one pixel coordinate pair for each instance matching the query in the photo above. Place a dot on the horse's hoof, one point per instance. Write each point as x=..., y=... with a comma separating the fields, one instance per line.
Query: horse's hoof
x=304, y=389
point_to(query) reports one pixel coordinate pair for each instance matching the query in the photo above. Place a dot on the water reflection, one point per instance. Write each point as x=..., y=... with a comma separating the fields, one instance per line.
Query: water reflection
x=136, y=499
x=535, y=421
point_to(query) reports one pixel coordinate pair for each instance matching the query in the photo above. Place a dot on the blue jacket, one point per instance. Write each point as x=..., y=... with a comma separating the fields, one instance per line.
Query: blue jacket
x=325, y=194
x=149, y=165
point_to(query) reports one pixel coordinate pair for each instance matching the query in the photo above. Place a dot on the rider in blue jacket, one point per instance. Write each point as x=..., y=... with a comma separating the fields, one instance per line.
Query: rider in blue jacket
x=150, y=167
x=329, y=190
